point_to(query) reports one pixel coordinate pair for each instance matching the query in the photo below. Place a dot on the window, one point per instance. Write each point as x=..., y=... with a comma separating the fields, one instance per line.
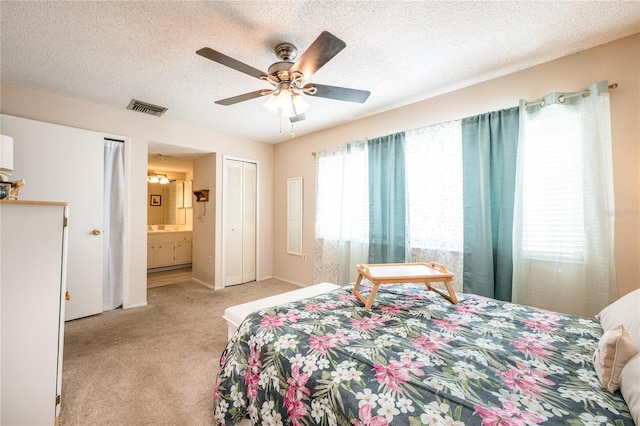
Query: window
x=342, y=210
x=433, y=167
x=434, y=186
x=552, y=186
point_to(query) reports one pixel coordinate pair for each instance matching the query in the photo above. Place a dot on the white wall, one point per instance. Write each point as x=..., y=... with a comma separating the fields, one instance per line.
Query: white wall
x=38, y=105
x=617, y=62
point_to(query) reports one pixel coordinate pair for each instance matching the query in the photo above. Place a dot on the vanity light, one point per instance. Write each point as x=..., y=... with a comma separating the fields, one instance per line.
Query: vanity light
x=156, y=178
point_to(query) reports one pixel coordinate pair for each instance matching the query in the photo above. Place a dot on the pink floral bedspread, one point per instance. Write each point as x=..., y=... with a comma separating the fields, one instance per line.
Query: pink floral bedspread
x=414, y=358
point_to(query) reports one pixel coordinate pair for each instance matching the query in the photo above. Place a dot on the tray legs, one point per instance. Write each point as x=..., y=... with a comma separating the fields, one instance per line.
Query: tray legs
x=374, y=290
x=368, y=302
x=451, y=297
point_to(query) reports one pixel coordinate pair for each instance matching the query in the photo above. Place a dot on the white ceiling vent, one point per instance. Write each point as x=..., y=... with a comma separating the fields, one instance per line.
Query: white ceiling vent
x=146, y=108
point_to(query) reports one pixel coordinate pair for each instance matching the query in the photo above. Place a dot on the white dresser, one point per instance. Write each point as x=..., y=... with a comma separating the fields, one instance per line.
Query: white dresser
x=33, y=238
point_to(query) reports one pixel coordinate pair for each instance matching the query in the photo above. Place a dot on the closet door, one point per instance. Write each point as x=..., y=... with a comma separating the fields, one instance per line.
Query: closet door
x=249, y=195
x=67, y=164
x=239, y=222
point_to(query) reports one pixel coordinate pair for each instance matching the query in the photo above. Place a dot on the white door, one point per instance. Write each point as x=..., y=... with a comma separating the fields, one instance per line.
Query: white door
x=239, y=222
x=60, y=163
x=249, y=186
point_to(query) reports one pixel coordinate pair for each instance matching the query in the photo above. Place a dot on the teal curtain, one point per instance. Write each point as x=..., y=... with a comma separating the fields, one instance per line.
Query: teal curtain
x=489, y=155
x=387, y=199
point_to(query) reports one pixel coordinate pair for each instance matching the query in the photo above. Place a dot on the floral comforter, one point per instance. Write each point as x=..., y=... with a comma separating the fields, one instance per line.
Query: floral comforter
x=414, y=358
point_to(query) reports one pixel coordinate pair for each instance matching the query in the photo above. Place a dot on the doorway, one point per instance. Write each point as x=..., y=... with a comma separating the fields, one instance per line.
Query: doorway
x=169, y=277
x=171, y=209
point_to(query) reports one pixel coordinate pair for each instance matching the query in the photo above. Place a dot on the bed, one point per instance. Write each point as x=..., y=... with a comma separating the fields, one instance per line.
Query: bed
x=415, y=358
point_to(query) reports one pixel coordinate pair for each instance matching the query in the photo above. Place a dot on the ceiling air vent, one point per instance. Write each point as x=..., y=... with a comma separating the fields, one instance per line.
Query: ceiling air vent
x=146, y=108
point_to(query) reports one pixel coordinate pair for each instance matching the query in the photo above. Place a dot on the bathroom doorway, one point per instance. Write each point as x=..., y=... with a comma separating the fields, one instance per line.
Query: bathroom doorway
x=170, y=213
x=170, y=277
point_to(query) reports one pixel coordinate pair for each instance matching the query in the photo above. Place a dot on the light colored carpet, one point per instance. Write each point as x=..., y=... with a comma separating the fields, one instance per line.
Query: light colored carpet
x=154, y=365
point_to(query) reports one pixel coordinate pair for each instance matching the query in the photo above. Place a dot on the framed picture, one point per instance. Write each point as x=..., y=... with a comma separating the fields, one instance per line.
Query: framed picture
x=156, y=200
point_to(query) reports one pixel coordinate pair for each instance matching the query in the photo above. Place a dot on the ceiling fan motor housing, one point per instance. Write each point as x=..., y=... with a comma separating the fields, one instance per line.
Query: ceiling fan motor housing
x=280, y=70
x=286, y=52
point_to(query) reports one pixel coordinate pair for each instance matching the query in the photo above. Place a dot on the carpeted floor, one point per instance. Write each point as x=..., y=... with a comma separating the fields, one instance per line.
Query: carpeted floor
x=154, y=365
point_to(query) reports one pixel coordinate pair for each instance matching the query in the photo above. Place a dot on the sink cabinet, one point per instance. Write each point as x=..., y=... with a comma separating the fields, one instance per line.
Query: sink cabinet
x=183, y=249
x=168, y=248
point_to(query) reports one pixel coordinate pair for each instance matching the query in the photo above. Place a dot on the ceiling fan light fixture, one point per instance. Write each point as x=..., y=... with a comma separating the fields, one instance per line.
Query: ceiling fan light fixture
x=287, y=103
x=284, y=100
x=300, y=106
x=272, y=104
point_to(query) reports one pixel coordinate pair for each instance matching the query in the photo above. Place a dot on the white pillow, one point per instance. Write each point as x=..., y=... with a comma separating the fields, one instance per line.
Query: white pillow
x=625, y=311
x=630, y=386
x=615, y=349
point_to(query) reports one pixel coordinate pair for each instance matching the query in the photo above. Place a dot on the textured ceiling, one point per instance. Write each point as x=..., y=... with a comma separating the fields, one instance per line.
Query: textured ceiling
x=109, y=52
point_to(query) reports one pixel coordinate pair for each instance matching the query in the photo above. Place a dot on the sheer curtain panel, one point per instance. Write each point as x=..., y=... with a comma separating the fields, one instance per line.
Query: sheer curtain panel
x=342, y=213
x=433, y=164
x=564, y=221
x=489, y=152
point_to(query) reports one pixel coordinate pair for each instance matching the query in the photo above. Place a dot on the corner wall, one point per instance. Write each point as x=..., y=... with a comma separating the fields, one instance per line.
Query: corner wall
x=617, y=62
x=204, y=223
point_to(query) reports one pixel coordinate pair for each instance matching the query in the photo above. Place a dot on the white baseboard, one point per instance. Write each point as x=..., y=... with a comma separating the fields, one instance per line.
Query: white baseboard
x=291, y=282
x=203, y=283
x=135, y=305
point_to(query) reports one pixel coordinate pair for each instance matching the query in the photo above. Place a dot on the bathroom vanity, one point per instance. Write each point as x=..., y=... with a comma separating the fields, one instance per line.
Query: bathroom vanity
x=168, y=248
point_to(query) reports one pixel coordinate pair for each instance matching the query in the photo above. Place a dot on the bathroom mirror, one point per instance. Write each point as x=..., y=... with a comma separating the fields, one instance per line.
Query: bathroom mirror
x=294, y=216
x=170, y=208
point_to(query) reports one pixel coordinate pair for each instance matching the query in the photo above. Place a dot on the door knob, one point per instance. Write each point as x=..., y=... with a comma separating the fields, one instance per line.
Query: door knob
x=67, y=296
x=96, y=232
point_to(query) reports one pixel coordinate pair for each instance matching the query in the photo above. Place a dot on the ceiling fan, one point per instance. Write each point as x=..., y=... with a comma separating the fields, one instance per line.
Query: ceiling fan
x=289, y=78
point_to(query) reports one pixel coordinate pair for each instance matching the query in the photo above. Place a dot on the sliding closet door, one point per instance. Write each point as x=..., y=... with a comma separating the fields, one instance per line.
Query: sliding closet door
x=239, y=222
x=60, y=163
x=249, y=195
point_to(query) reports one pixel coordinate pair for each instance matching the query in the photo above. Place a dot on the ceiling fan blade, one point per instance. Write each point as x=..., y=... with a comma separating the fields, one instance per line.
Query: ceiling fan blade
x=240, y=98
x=321, y=51
x=223, y=59
x=298, y=117
x=339, y=93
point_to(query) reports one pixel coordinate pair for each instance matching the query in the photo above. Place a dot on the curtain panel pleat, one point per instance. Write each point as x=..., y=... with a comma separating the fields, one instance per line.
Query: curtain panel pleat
x=489, y=151
x=387, y=199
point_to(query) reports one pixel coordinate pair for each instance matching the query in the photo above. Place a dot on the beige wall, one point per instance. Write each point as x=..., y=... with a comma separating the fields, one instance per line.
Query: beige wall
x=204, y=223
x=617, y=62
x=141, y=129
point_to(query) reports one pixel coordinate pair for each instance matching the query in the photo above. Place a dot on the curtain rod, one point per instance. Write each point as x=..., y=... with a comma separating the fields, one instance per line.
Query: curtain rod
x=348, y=144
x=562, y=98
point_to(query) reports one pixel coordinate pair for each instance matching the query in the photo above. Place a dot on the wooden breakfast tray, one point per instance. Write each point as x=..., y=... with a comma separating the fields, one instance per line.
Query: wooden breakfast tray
x=399, y=273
